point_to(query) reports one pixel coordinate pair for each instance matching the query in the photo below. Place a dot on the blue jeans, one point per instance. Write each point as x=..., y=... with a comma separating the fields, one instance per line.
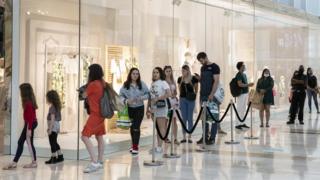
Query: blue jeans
x=312, y=95
x=187, y=108
x=214, y=126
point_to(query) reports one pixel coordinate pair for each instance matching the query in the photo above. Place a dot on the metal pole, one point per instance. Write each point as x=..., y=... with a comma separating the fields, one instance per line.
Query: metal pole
x=153, y=162
x=203, y=148
x=251, y=131
x=231, y=121
x=172, y=154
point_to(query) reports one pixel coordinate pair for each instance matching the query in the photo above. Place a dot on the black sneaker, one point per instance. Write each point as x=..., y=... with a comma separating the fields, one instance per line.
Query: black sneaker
x=190, y=141
x=52, y=160
x=60, y=158
x=183, y=141
x=210, y=141
x=301, y=123
x=239, y=127
x=245, y=126
x=201, y=141
x=290, y=122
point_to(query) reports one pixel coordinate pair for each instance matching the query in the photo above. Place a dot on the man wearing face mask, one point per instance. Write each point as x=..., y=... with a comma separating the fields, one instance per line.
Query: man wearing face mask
x=243, y=98
x=299, y=85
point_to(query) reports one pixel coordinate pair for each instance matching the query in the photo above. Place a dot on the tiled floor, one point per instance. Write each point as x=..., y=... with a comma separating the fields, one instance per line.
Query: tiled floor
x=281, y=152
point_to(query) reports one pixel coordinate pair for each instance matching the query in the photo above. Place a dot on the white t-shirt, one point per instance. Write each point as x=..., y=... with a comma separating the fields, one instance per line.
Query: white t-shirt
x=158, y=88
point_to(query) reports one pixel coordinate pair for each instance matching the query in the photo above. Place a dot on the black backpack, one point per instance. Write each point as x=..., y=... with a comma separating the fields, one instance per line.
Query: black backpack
x=234, y=88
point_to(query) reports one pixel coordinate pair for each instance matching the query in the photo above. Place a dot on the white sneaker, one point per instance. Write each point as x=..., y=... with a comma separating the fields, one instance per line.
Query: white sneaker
x=92, y=167
x=134, y=152
x=159, y=150
x=100, y=164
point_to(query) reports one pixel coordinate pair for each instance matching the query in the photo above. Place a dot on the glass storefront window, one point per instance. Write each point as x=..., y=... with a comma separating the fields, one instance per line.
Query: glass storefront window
x=60, y=39
x=5, y=74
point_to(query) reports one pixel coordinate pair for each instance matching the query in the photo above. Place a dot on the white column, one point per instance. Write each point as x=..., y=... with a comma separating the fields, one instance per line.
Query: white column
x=15, y=74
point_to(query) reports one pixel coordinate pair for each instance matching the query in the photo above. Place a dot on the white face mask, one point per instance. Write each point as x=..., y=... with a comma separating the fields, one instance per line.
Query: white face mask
x=266, y=75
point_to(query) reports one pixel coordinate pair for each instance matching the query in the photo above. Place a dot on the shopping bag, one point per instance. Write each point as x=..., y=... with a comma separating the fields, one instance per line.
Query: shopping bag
x=256, y=99
x=124, y=122
x=213, y=107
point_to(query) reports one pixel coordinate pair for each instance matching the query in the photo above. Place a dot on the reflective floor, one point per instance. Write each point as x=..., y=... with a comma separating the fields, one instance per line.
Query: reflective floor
x=281, y=152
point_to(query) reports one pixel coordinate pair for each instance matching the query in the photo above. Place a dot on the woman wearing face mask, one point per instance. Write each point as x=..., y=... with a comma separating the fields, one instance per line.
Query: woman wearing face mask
x=311, y=89
x=265, y=85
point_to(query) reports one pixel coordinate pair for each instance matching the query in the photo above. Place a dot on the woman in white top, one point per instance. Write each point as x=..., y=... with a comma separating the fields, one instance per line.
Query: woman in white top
x=157, y=105
x=173, y=100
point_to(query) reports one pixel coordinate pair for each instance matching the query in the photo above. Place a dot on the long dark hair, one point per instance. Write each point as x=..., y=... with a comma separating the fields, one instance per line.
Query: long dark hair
x=161, y=73
x=127, y=83
x=54, y=99
x=95, y=72
x=27, y=94
x=264, y=70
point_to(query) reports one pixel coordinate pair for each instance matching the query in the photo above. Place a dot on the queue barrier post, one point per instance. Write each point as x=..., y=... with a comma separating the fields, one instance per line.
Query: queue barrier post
x=172, y=154
x=232, y=141
x=153, y=161
x=203, y=147
x=251, y=137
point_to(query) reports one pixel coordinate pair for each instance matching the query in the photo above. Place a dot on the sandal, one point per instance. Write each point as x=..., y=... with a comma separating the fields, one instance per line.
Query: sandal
x=31, y=165
x=183, y=141
x=176, y=142
x=10, y=166
x=167, y=141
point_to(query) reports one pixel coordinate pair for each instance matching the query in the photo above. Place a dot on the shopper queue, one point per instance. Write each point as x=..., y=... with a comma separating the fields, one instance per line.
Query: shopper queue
x=165, y=93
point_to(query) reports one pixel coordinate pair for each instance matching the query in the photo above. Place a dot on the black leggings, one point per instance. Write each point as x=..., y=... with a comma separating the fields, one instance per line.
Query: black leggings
x=53, y=142
x=136, y=114
x=21, y=141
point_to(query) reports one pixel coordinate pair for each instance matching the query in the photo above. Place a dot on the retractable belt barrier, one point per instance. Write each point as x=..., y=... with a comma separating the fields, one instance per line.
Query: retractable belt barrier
x=168, y=130
x=247, y=112
x=198, y=119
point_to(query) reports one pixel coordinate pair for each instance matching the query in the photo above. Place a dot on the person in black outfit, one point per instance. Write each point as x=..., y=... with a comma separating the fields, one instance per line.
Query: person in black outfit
x=299, y=85
x=209, y=80
x=296, y=72
x=312, y=89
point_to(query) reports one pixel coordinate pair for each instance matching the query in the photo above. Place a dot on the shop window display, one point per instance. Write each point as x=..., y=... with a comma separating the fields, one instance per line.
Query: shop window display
x=142, y=33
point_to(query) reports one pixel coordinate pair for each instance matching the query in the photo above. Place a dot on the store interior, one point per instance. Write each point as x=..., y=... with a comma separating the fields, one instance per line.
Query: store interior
x=59, y=40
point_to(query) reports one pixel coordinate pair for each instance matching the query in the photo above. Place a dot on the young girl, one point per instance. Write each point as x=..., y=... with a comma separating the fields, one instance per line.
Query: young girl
x=29, y=105
x=133, y=93
x=159, y=92
x=173, y=100
x=54, y=117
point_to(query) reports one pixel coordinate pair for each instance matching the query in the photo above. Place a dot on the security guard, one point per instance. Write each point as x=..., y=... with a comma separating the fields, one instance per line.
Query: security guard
x=299, y=86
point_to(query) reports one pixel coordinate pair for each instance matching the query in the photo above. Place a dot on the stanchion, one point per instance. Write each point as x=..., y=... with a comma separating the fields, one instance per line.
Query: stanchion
x=232, y=141
x=251, y=137
x=172, y=155
x=153, y=162
x=203, y=148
